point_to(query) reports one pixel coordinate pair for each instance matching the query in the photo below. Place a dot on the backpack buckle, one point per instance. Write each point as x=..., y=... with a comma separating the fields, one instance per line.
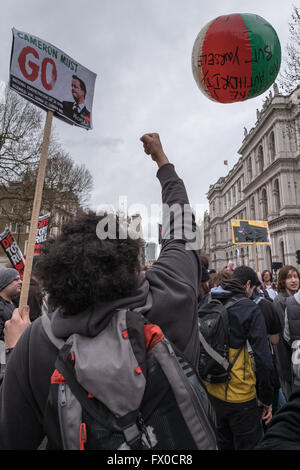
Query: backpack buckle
x=132, y=435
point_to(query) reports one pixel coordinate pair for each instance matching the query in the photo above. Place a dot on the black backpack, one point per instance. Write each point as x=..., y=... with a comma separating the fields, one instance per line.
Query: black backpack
x=214, y=331
x=127, y=388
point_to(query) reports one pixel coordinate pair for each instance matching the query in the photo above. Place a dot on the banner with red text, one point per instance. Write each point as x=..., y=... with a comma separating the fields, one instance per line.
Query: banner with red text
x=12, y=251
x=46, y=76
x=42, y=232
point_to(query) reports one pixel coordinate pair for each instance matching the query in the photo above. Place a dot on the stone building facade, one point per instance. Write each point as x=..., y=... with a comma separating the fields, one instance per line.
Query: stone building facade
x=264, y=184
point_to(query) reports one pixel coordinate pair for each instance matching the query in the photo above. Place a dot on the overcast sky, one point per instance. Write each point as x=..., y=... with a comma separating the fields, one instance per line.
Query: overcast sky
x=141, y=53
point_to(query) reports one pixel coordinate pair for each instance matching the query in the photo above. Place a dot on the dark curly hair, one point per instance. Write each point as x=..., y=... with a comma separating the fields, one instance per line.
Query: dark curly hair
x=77, y=269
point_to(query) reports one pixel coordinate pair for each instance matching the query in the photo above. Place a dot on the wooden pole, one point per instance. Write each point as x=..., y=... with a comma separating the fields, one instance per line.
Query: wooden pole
x=36, y=211
x=255, y=256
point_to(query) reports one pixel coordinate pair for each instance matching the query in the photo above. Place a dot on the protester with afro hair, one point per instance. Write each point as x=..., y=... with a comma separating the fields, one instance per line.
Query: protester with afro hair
x=87, y=276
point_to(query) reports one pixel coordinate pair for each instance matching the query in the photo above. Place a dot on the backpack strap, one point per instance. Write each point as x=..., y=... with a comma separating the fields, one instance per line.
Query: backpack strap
x=58, y=342
x=214, y=354
x=233, y=300
x=231, y=367
x=129, y=424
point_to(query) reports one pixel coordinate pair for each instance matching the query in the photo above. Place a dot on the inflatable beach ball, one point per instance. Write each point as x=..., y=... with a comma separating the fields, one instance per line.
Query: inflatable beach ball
x=236, y=57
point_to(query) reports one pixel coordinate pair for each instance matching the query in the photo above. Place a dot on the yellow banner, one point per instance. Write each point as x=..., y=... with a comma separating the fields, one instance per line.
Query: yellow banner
x=249, y=232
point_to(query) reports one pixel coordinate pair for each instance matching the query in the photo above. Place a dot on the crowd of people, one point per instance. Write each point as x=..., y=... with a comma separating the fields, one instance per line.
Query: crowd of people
x=80, y=281
x=270, y=342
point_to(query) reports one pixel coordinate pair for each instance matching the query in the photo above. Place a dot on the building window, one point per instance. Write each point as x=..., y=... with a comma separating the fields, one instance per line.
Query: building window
x=214, y=238
x=276, y=195
x=272, y=146
x=239, y=190
x=282, y=254
x=252, y=209
x=264, y=204
x=249, y=168
x=13, y=227
x=260, y=159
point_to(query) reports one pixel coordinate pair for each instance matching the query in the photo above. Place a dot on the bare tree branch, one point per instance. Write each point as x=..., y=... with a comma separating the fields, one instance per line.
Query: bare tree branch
x=290, y=77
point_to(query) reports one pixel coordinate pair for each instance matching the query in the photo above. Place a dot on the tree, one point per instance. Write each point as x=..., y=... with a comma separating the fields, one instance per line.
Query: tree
x=290, y=77
x=20, y=136
x=66, y=178
x=67, y=185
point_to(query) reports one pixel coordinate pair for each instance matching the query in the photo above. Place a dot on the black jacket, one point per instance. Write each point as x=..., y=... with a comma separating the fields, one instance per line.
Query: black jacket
x=283, y=432
x=246, y=323
x=282, y=350
x=6, y=310
x=173, y=281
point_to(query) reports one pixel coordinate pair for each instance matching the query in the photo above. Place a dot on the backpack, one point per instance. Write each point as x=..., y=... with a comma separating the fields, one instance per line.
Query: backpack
x=214, y=365
x=127, y=388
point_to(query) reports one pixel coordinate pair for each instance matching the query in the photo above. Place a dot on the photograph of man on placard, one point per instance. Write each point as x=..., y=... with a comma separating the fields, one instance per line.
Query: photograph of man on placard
x=77, y=110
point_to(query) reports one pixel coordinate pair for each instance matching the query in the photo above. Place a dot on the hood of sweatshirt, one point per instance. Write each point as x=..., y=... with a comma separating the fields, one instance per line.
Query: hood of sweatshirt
x=95, y=318
x=228, y=288
x=220, y=293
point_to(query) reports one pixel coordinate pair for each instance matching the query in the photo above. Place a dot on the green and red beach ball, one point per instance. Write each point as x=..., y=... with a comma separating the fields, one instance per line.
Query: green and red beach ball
x=236, y=57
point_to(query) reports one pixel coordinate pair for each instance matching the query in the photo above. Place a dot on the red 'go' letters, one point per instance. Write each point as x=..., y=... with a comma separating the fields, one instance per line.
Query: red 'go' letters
x=34, y=68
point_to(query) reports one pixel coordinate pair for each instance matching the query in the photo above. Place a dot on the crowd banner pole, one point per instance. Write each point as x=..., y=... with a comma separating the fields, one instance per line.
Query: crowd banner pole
x=36, y=211
x=254, y=256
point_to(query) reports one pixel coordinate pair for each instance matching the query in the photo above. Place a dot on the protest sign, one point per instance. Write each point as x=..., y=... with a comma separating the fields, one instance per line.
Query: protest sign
x=41, y=234
x=49, y=78
x=36, y=210
x=12, y=251
x=46, y=76
x=248, y=232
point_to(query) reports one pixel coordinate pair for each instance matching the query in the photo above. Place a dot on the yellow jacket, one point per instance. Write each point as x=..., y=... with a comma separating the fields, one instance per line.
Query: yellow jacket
x=242, y=384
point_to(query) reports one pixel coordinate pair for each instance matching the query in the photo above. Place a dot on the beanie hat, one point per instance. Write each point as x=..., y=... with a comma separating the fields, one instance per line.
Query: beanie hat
x=7, y=275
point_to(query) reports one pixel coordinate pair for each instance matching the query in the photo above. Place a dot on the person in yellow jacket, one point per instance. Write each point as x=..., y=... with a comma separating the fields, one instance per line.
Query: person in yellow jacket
x=245, y=400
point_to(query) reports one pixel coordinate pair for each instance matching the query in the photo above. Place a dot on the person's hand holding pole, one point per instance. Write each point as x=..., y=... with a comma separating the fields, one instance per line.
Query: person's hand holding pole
x=153, y=147
x=15, y=327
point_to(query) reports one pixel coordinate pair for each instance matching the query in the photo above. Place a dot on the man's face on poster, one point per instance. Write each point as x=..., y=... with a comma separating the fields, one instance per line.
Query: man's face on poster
x=77, y=92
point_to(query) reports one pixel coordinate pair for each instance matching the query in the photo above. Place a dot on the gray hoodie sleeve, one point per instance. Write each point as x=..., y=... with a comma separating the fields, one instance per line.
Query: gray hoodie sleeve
x=174, y=278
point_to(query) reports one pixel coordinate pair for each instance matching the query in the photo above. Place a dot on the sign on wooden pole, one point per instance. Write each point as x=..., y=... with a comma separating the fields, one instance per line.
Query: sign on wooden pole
x=36, y=211
x=54, y=81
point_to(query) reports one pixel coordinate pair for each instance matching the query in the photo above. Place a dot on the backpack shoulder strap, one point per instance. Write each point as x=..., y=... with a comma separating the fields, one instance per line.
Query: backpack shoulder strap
x=47, y=328
x=214, y=354
x=234, y=300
